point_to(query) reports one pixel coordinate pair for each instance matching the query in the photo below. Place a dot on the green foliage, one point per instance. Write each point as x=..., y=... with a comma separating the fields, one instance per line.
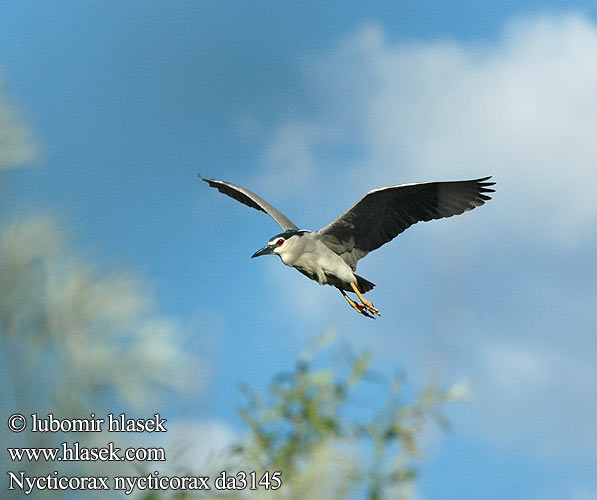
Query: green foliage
x=311, y=408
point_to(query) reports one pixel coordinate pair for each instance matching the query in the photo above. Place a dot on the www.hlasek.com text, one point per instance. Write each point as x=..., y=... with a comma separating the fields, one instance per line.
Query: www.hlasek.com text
x=77, y=453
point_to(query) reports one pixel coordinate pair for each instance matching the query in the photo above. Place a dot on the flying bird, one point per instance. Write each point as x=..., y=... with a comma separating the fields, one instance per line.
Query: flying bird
x=330, y=255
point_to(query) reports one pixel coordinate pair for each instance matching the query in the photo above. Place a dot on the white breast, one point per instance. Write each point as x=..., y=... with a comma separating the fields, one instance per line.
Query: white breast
x=315, y=258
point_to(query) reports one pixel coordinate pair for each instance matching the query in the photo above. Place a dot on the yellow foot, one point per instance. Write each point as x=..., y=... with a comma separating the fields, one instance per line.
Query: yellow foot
x=360, y=308
x=363, y=310
x=368, y=305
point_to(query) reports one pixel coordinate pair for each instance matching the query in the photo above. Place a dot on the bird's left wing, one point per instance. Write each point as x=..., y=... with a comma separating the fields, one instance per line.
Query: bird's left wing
x=382, y=214
x=250, y=199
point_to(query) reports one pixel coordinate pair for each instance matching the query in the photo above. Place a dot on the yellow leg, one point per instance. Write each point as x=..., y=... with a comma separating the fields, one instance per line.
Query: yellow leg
x=365, y=302
x=360, y=308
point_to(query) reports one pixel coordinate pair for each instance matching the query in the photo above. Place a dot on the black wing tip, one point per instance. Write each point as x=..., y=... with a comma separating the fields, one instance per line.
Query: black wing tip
x=483, y=181
x=212, y=182
x=484, y=186
x=234, y=192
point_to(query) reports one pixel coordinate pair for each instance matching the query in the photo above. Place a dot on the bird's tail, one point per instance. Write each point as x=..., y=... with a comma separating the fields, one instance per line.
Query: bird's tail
x=363, y=284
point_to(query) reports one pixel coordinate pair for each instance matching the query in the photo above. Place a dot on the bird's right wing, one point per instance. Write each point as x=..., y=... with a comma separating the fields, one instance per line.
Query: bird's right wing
x=250, y=199
x=384, y=213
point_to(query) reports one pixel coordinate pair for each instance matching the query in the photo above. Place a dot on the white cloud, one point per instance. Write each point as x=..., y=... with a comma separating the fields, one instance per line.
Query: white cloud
x=291, y=156
x=543, y=396
x=17, y=147
x=522, y=108
x=199, y=444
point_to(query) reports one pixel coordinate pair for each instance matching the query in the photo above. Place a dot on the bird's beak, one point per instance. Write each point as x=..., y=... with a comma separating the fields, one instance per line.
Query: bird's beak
x=266, y=250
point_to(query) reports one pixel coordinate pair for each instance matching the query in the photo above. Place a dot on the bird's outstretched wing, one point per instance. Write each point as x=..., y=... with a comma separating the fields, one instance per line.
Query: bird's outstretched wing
x=382, y=214
x=251, y=200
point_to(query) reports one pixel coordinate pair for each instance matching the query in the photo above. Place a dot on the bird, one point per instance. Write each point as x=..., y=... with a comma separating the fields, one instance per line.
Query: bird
x=330, y=254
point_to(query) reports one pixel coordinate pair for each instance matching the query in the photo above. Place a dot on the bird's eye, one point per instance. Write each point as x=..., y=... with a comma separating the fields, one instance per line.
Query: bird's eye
x=280, y=242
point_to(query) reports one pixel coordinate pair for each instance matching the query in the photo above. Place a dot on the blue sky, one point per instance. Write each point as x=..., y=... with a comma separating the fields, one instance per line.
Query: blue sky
x=130, y=101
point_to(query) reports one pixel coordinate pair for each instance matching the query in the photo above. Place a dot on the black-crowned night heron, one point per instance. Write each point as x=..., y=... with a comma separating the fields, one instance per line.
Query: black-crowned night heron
x=330, y=255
